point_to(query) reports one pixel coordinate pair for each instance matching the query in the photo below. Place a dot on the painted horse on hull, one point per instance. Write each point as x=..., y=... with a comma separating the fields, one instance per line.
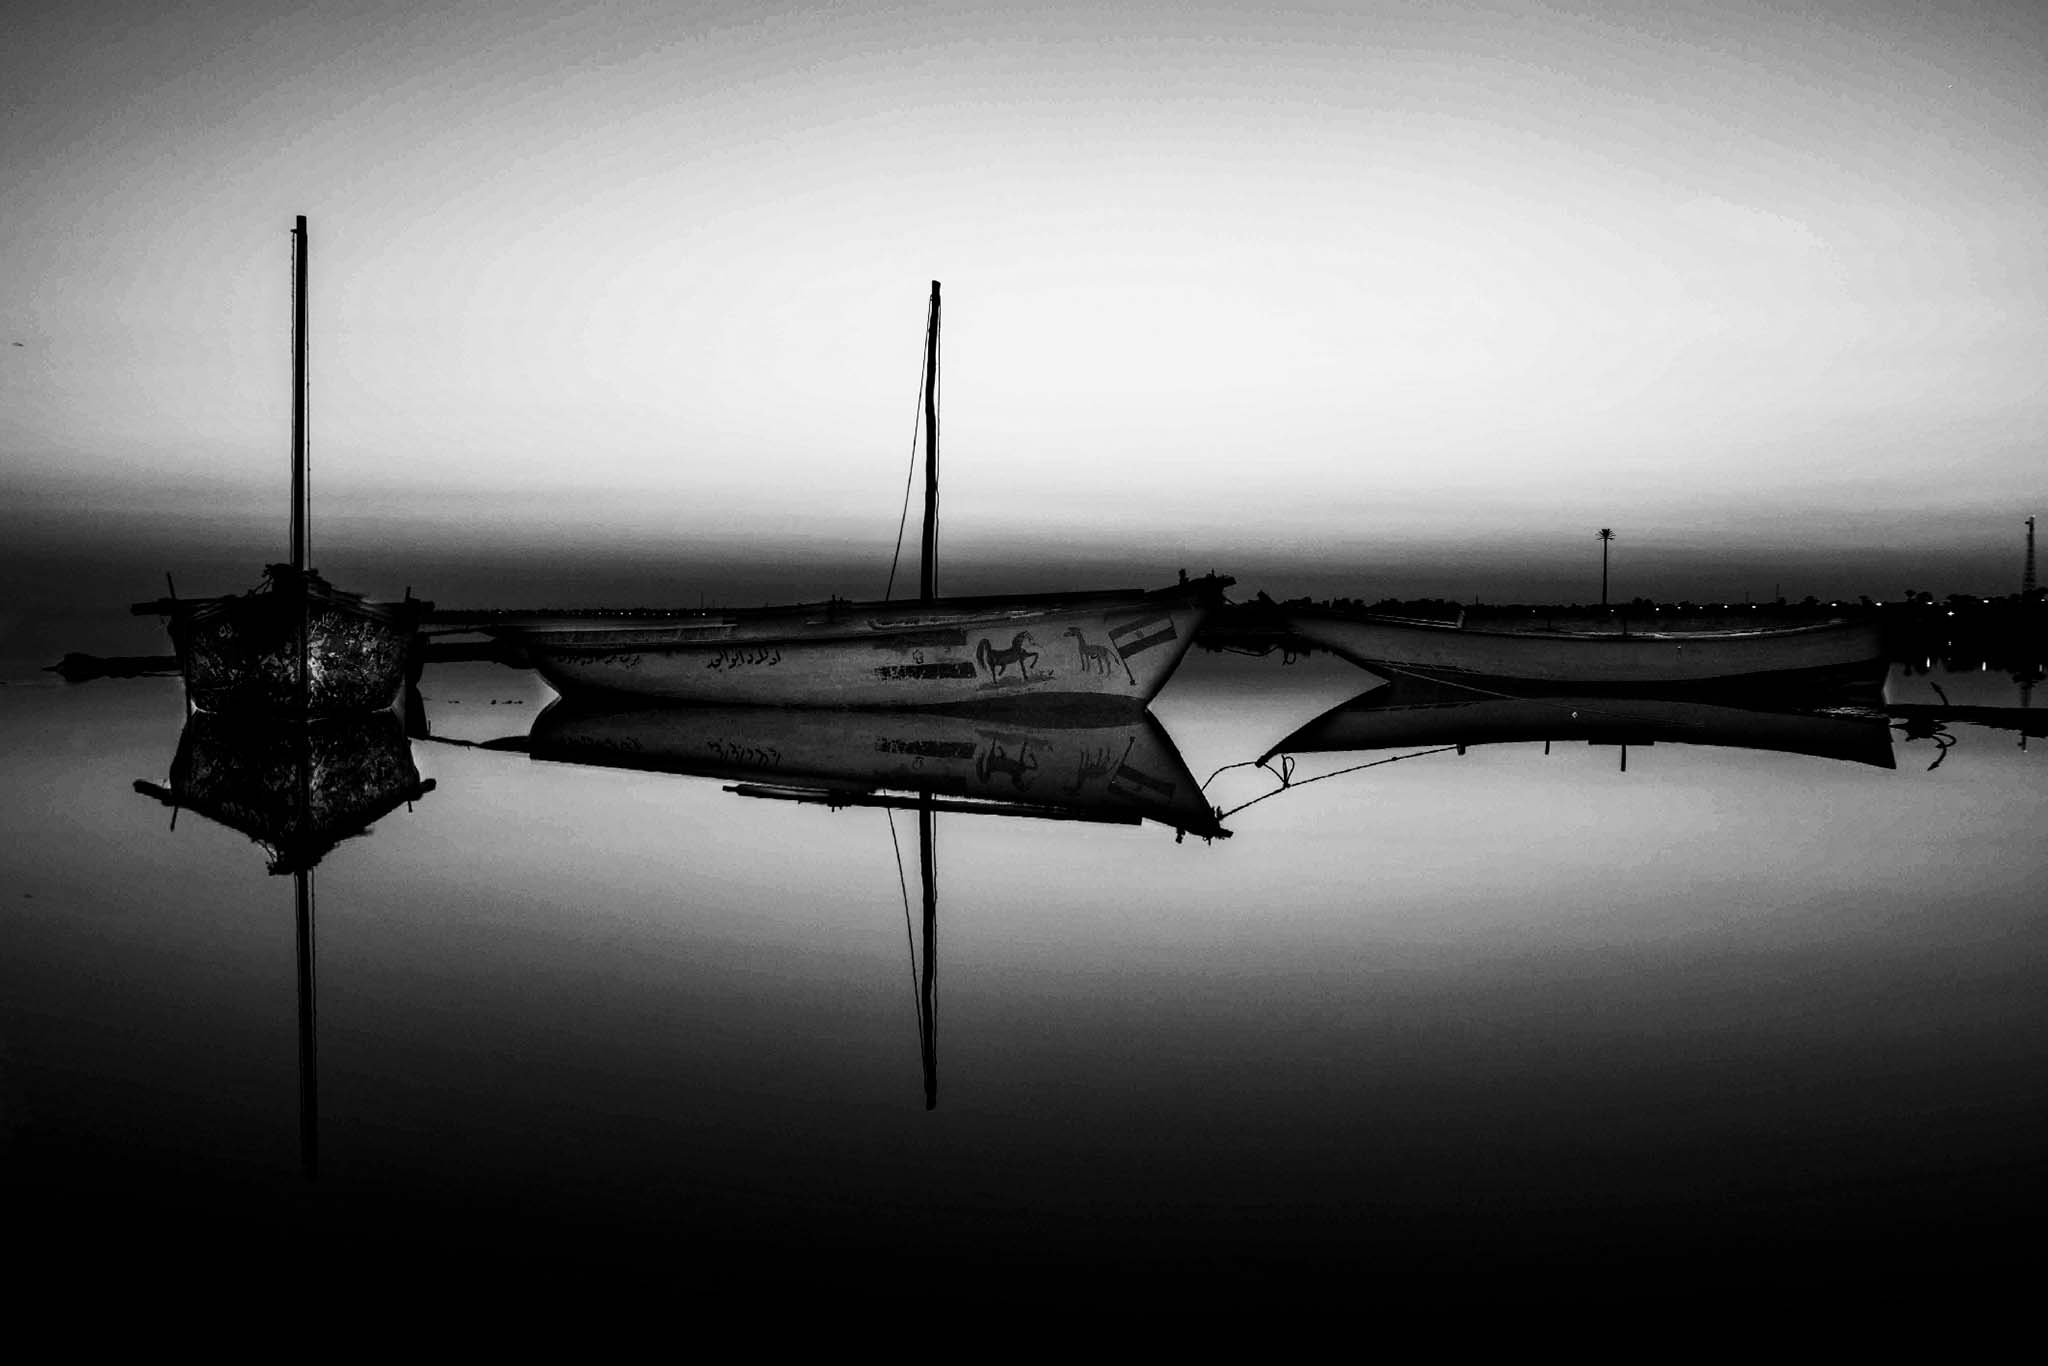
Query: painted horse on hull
x=1018, y=652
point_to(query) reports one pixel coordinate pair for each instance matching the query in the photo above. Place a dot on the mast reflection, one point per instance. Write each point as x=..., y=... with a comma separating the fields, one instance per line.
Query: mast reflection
x=297, y=788
x=1021, y=765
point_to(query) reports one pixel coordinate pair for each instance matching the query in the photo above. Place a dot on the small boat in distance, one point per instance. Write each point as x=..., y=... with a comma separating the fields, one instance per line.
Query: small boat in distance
x=1097, y=650
x=1839, y=652
x=294, y=645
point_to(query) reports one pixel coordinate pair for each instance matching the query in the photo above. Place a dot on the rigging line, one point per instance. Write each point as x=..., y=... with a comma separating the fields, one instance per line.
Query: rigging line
x=1290, y=786
x=1443, y=682
x=909, y=935
x=929, y=873
x=910, y=474
x=936, y=379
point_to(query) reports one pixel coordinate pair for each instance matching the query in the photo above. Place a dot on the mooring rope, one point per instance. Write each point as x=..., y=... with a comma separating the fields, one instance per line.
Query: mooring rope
x=909, y=474
x=1286, y=774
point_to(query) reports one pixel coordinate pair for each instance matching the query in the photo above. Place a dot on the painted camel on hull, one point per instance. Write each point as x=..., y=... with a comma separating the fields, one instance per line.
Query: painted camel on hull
x=1098, y=657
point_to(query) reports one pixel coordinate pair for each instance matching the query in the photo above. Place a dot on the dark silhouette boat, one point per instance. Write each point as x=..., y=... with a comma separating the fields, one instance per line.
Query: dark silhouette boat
x=296, y=644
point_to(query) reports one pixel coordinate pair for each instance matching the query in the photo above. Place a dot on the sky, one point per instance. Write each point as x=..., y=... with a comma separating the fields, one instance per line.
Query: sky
x=1416, y=294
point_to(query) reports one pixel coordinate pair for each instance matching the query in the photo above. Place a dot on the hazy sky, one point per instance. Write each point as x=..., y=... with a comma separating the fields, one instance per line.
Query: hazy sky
x=1220, y=278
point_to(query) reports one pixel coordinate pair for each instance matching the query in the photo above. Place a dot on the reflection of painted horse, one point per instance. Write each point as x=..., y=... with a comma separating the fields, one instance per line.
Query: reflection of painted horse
x=996, y=759
x=1095, y=765
x=1098, y=656
x=1019, y=653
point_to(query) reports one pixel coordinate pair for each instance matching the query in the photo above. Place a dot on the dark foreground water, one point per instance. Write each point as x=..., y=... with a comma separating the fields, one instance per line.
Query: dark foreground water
x=1568, y=1021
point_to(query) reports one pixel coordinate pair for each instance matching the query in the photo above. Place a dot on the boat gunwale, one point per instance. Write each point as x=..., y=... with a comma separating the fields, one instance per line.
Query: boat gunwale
x=833, y=620
x=189, y=612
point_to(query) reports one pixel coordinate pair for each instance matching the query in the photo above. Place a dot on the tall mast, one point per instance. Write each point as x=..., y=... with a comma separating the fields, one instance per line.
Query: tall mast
x=928, y=575
x=299, y=396
x=2027, y=574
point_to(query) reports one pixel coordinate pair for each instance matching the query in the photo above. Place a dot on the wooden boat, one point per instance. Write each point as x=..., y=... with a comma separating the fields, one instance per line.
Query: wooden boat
x=1108, y=650
x=296, y=644
x=1044, y=764
x=1100, y=649
x=1395, y=647
x=1405, y=715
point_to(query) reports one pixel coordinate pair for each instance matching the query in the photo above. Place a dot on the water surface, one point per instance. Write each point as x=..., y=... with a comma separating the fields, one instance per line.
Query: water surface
x=1555, y=1015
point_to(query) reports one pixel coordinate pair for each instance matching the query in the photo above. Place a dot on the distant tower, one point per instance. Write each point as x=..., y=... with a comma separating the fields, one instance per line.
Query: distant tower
x=1606, y=535
x=2027, y=575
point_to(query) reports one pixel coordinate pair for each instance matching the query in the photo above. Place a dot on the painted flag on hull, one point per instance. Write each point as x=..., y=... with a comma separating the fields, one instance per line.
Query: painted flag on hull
x=1138, y=785
x=1136, y=637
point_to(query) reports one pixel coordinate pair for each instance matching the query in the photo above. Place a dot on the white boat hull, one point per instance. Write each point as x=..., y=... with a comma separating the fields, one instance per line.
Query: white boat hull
x=1439, y=651
x=1103, y=649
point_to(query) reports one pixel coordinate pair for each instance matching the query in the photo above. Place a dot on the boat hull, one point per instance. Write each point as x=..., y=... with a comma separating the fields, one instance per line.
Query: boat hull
x=1831, y=652
x=1110, y=651
x=242, y=654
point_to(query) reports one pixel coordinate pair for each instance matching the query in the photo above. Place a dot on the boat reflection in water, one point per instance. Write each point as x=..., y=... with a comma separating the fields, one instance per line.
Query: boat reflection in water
x=1927, y=721
x=1046, y=766
x=1410, y=714
x=295, y=788
x=1023, y=764
x=298, y=789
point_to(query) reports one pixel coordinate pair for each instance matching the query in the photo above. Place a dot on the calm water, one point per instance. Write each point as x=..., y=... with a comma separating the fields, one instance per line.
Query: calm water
x=1553, y=1018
